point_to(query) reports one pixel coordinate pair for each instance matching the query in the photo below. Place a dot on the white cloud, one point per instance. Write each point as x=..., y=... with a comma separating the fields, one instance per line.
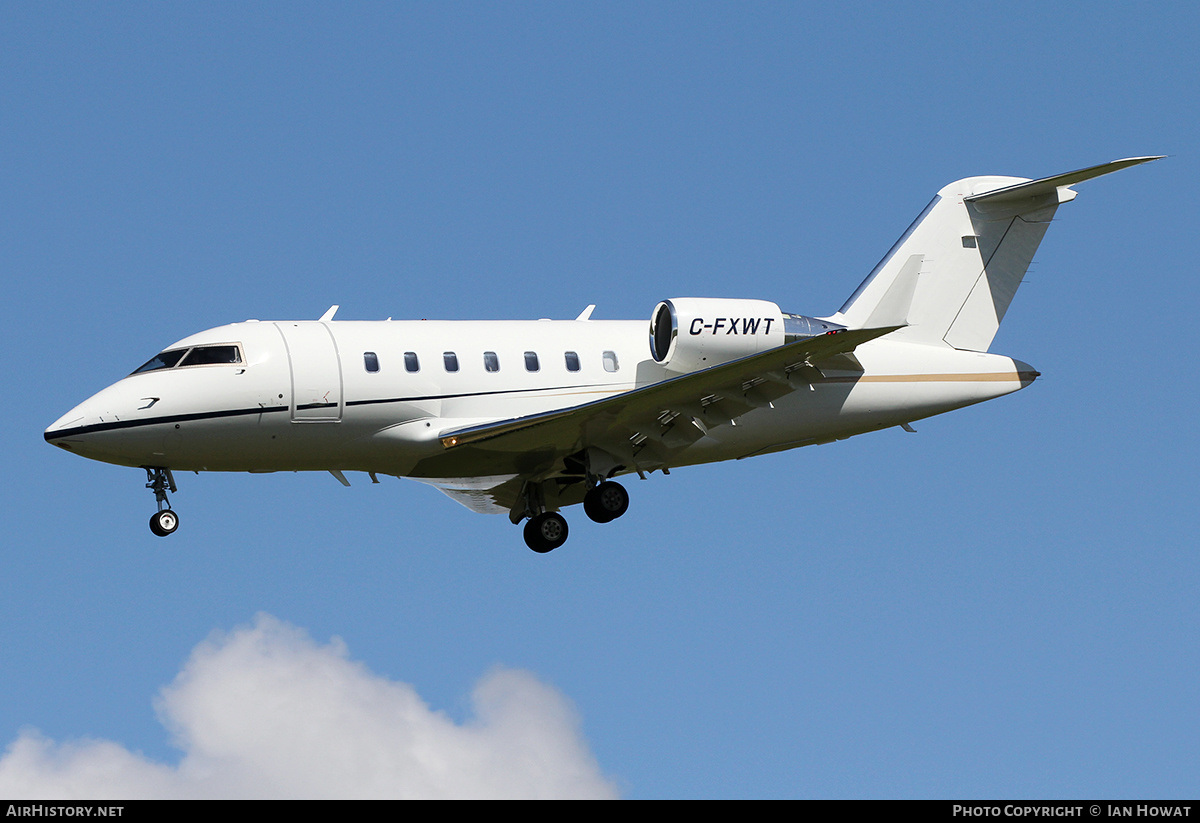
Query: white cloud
x=267, y=712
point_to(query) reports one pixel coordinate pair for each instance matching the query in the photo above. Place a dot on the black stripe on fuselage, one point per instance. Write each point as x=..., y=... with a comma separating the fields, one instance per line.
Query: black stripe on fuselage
x=157, y=421
x=216, y=415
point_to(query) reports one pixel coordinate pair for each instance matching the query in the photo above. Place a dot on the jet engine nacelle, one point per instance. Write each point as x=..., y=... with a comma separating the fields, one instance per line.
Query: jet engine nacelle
x=691, y=333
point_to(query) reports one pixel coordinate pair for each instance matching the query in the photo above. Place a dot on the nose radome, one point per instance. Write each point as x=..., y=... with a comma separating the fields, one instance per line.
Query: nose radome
x=105, y=406
x=76, y=418
x=69, y=432
x=82, y=430
x=89, y=436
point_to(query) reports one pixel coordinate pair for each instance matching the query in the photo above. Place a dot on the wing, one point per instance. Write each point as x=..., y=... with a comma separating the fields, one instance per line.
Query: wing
x=640, y=429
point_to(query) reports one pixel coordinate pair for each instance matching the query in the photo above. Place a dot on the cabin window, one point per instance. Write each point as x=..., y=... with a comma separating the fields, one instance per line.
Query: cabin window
x=531, y=361
x=450, y=360
x=490, y=361
x=411, y=363
x=572, y=361
x=212, y=356
x=610, y=361
x=371, y=362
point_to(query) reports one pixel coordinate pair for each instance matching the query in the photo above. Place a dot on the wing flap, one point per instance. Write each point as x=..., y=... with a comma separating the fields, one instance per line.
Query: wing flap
x=484, y=495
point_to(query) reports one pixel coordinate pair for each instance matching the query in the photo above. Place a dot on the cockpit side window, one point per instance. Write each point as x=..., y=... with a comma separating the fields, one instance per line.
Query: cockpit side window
x=212, y=356
x=162, y=360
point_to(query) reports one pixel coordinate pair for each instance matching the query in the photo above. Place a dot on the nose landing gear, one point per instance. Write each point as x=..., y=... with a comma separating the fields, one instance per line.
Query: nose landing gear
x=164, y=521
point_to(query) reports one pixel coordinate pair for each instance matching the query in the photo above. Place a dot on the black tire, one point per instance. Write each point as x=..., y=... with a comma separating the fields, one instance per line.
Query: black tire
x=606, y=502
x=591, y=507
x=164, y=522
x=546, y=532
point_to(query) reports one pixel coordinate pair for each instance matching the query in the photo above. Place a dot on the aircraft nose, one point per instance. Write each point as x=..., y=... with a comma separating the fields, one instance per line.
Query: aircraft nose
x=72, y=419
x=68, y=431
x=95, y=428
x=111, y=426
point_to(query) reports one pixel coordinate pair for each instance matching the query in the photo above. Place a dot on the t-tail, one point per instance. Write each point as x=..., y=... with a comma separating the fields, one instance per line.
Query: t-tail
x=951, y=276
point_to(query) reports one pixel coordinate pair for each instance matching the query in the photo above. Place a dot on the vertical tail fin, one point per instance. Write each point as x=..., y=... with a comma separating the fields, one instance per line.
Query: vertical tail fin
x=951, y=276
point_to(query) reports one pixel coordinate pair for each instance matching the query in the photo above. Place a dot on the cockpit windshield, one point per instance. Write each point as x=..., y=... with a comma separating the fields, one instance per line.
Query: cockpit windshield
x=195, y=356
x=162, y=360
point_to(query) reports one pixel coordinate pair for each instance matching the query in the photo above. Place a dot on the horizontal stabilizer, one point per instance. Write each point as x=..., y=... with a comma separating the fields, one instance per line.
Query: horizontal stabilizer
x=1036, y=188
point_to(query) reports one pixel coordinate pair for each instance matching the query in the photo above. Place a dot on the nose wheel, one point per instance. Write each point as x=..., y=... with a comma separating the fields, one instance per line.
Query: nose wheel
x=164, y=521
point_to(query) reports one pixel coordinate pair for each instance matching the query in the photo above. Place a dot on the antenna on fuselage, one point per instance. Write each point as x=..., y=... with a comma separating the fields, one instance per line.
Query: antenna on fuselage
x=329, y=314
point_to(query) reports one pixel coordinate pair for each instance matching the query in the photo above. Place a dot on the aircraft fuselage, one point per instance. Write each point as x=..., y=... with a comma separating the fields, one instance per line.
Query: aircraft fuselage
x=375, y=396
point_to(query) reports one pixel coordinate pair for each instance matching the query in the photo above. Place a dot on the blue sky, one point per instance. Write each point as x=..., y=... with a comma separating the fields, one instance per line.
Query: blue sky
x=1001, y=605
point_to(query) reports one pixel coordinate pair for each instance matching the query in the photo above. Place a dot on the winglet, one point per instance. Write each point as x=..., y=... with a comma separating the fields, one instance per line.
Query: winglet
x=329, y=314
x=586, y=314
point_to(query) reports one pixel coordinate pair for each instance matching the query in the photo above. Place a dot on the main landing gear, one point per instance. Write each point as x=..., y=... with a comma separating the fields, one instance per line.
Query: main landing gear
x=545, y=532
x=164, y=521
x=604, y=502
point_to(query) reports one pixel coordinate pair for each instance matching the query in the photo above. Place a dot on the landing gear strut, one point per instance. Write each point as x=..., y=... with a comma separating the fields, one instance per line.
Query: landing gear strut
x=164, y=521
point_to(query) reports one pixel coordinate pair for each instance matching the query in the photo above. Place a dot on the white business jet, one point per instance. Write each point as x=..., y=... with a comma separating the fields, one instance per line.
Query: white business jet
x=529, y=417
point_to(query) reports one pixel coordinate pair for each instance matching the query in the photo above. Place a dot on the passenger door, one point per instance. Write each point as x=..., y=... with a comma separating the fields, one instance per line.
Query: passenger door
x=316, y=372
